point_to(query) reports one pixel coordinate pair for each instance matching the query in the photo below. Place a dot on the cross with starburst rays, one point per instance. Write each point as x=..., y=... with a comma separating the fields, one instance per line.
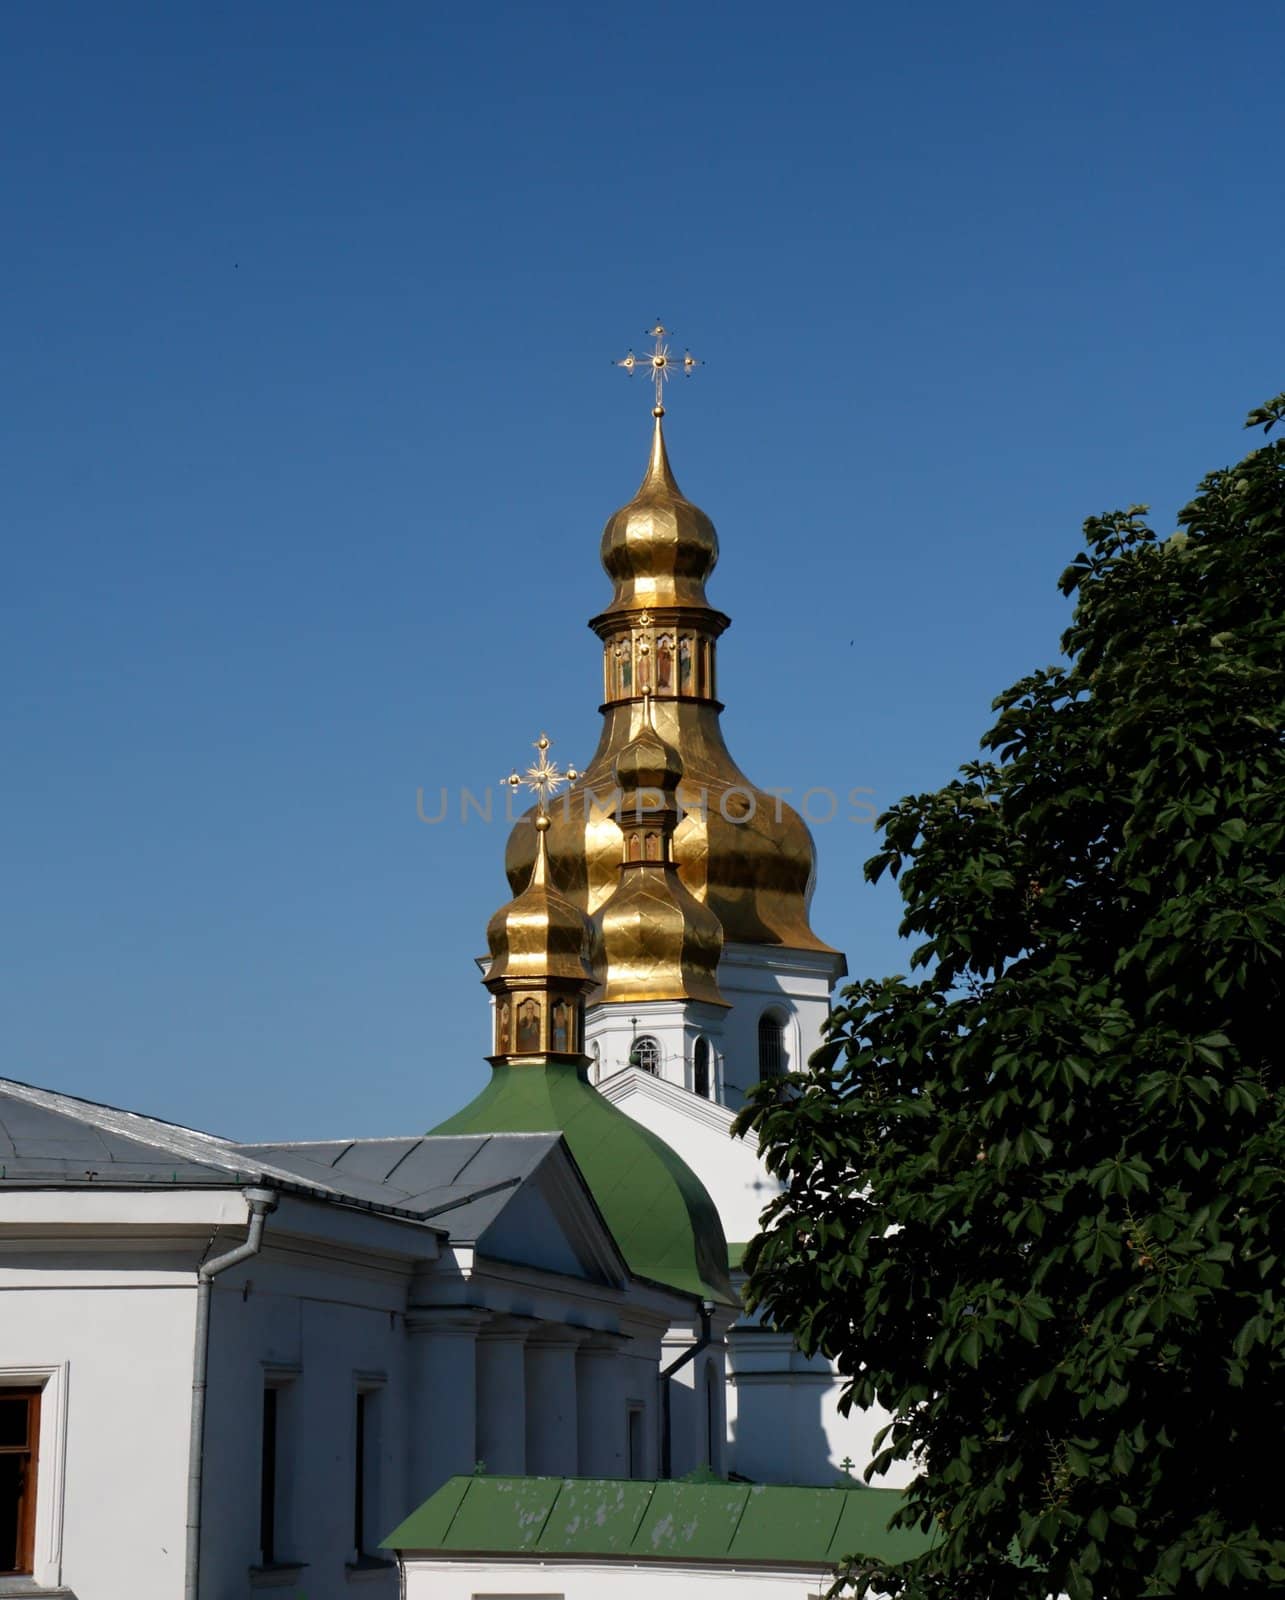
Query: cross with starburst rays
x=544, y=777
x=662, y=363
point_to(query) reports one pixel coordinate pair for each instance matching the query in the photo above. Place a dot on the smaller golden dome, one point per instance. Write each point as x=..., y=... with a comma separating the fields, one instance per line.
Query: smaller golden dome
x=540, y=934
x=660, y=548
x=647, y=762
x=656, y=940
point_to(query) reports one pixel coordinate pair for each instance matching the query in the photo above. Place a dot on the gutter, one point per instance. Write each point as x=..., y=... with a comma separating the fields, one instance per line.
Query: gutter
x=259, y=1203
x=690, y=1354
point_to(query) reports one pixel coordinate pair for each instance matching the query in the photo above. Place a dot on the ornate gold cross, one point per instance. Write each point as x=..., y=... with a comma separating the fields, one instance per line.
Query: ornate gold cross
x=544, y=777
x=661, y=363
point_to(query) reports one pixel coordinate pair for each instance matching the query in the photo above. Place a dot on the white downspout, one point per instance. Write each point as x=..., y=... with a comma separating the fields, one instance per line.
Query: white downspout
x=260, y=1202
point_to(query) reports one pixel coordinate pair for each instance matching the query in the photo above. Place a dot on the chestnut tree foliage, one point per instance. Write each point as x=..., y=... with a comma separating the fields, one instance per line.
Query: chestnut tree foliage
x=1034, y=1199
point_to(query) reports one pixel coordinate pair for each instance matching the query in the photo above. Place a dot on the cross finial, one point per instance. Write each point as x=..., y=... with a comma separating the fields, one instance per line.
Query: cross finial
x=661, y=362
x=544, y=777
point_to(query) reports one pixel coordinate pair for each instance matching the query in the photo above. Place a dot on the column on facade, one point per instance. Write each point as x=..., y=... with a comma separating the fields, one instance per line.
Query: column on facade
x=552, y=1429
x=602, y=1407
x=443, y=1387
x=501, y=1395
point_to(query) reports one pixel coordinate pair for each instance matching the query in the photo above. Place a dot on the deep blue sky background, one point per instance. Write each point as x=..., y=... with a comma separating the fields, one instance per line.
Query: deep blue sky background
x=309, y=433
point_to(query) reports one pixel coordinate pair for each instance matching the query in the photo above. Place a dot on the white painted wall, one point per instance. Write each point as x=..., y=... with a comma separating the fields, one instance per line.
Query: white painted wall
x=113, y=1349
x=97, y=1302
x=468, y=1579
x=700, y=1132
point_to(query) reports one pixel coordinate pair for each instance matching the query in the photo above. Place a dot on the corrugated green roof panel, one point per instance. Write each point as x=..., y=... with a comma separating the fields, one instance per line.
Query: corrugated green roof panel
x=502, y=1514
x=863, y=1528
x=671, y=1521
x=691, y=1521
x=427, y=1526
x=595, y=1516
x=787, y=1524
x=658, y=1210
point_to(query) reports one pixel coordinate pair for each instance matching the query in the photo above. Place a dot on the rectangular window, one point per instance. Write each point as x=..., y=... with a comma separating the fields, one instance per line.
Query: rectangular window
x=269, y=1478
x=637, y=1464
x=19, y=1441
x=360, y=1468
x=367, y=1517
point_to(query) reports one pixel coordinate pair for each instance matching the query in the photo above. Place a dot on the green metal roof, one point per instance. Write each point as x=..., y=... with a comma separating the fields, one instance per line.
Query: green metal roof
x=668, y=1521
x=658, y=1210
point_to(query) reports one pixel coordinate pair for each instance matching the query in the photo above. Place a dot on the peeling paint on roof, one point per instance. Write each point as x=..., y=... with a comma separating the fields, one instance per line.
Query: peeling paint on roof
x=732, y=1522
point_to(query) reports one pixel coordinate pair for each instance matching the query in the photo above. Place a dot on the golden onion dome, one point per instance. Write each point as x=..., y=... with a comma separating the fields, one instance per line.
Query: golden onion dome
x=744, y=853
x=540, y=934
x=656, y=941
x=647, y=762
x=660, y=548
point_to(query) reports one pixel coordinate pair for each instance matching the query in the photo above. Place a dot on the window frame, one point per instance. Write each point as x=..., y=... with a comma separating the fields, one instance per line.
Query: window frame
x=778, y=1023
x=635, y=1441
x=51, y=1450
x=28, y=1451
x=651, y=1044
x=699, y=1049
x=281, y=1383
x=368, y=1426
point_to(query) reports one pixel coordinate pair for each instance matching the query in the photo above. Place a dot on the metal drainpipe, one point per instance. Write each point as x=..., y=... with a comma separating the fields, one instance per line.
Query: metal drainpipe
x=690, y=1354
x=260, y=1202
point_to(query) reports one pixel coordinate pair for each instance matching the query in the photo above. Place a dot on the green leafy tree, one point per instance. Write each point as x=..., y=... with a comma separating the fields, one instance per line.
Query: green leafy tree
x=1034, y=1201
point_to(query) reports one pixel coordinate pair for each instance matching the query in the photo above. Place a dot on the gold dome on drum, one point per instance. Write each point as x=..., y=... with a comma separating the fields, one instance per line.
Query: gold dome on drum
x=660, y=548
x=540, y=935
x=656, y=941
x=742, y=853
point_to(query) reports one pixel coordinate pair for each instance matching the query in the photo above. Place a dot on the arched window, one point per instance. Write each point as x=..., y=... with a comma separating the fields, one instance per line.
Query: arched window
x=771, y=1046
x=595, y=1051
x=645, y=1055
x=700, y=1068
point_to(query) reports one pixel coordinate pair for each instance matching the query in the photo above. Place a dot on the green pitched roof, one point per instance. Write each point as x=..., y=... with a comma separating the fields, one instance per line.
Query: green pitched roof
x=668, y=1521
x=658, y=1210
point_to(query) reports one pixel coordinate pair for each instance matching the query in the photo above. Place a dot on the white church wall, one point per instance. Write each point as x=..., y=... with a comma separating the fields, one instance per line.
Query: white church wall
x=612, y=1030
x=114, y=1352
x=463, y=1578
x=317, y=1336
x=700, y=1132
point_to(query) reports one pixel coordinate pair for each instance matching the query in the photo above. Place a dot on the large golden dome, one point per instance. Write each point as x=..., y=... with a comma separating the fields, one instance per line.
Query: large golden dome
x=744, y=853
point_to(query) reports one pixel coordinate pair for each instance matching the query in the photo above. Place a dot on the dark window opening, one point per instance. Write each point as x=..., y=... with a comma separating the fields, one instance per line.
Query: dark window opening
x=359, y=1480
x=700, y=1068
x=645, y=1055
x=268, y=1480
x=637, y=1466
x=711, y=1416
x=366, y=1532
x=771, y=1046
x=19, y=1444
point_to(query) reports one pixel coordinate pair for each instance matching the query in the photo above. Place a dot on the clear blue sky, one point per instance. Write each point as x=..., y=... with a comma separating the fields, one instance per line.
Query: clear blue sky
x=309, y=432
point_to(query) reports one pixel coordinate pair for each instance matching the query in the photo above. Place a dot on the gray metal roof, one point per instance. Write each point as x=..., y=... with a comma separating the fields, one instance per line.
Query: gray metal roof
x=460, y=1181
x=49, y=1140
